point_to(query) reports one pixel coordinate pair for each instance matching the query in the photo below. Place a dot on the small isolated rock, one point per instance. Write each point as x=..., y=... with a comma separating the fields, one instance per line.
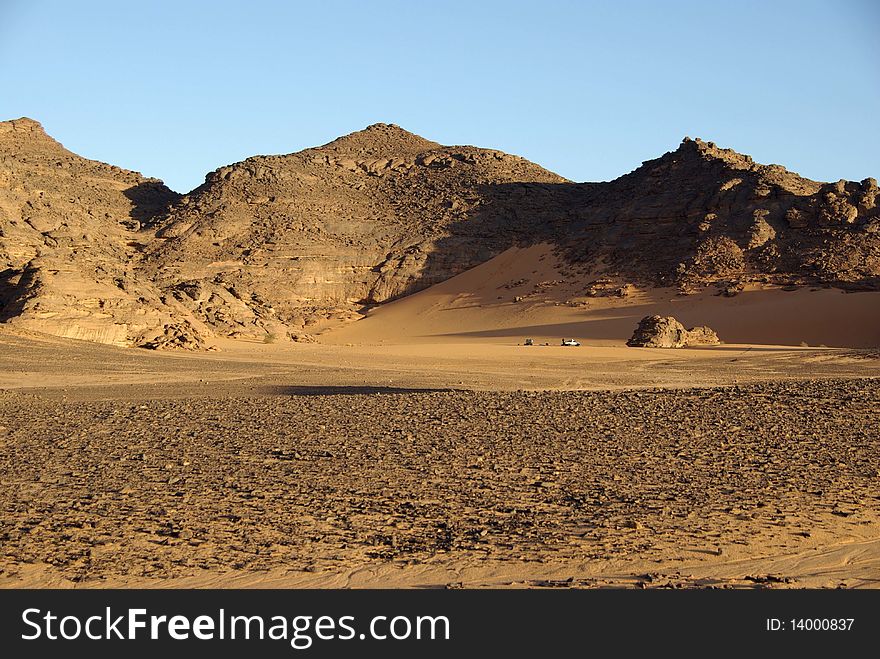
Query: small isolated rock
x=731, y=289
x=702, y=336
x=176, y=336
x=625, y=291
x=659, y=332
x=607, y=287
x=667, y=332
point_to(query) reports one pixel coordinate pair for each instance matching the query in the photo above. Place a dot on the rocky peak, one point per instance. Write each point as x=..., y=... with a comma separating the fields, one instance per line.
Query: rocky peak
x=380, y=139
x=699, y=161
x=22, y=125
x=24, y=132
x=709, y=151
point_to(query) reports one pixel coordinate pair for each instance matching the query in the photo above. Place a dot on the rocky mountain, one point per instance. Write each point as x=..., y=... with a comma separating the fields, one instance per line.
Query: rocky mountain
x=283, y=246
x=71, y=230
x=290, y=243
x=703, y=215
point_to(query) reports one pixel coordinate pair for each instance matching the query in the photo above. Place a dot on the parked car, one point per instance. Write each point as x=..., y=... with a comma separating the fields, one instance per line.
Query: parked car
x=570, y=342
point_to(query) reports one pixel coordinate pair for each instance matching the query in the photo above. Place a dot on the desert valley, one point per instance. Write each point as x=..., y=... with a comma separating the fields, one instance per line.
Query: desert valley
x=313, y=370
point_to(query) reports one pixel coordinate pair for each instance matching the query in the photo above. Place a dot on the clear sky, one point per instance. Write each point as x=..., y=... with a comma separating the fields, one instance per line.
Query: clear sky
x=175, y=89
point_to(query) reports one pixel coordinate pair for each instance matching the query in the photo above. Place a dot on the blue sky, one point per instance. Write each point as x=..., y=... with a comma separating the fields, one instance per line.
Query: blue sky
x=586, y=89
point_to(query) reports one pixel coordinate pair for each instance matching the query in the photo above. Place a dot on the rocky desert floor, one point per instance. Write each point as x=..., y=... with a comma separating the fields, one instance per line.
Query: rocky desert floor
x=490, y=465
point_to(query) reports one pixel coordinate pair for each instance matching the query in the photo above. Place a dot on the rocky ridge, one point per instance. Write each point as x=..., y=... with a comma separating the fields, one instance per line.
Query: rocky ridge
x=365, y=219
x=703, y=215
x=276, y=247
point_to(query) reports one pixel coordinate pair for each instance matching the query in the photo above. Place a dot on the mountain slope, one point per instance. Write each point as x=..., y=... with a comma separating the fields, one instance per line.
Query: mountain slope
x=285, y=246
x=705, y=215
x=296, y=241
x=70, y=229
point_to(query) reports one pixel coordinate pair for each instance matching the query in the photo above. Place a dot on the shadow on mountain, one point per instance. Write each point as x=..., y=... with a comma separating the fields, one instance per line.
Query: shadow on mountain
x=642, y=236
x=11, y=305
x=150, y=200
x=670, y=223
x=507, y=215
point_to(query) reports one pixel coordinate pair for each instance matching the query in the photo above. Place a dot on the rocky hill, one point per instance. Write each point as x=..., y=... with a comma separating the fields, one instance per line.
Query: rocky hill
x=282, y=246
x=702, y=215
x=289, y=243
x=71, y=230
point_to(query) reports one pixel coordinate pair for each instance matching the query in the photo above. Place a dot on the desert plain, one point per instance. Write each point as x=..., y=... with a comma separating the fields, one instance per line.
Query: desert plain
x=226, y=389
x=420, y=462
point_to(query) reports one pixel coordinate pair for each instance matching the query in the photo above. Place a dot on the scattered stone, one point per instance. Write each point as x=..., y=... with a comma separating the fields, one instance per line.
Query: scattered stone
x=263, y=486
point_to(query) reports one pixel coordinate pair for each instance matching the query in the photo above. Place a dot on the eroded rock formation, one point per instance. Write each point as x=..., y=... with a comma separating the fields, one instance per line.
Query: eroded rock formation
x=282, y=246
x=71, y=230
x=667, y=332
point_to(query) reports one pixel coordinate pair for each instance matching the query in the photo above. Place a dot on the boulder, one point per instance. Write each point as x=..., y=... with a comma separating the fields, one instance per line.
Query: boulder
x=667, y=332
x=702, y=336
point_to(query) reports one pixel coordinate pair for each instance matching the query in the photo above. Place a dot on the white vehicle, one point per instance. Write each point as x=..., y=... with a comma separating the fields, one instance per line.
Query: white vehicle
x=570, y=342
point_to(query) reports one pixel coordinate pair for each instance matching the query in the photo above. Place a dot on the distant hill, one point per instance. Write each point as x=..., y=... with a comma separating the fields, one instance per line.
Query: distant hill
x=702, y=215
x=288, y=245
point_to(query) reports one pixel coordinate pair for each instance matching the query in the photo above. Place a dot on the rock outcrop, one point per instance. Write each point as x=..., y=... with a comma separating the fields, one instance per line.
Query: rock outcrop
x=71, y=230
x=284, y=246
x=667, y=332
x=706, y=216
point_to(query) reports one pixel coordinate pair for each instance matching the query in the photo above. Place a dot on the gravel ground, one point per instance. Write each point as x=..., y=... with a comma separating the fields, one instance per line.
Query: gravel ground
x=319, y=479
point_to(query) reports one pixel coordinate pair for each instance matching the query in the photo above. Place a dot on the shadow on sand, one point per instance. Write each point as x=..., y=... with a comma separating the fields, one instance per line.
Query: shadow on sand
x=342, y=390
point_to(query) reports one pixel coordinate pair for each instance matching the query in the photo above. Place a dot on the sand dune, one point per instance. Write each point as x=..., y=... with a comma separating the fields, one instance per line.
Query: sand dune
x=527, y=292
